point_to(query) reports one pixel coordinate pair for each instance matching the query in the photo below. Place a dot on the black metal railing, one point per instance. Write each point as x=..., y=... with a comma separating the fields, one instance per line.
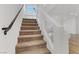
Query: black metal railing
x=6, y=29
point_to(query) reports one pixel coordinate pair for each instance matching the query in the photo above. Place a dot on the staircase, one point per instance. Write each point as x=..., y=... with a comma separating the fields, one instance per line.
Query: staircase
x=30, y=40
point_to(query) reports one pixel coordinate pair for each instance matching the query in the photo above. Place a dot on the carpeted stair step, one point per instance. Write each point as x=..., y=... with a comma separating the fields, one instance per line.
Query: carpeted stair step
x=24, y=38
x=29, y=28
x=30, y=43
x=29, y=32
x=29, y=24
x=30, y=47
x=37, y=50
x=29, y=21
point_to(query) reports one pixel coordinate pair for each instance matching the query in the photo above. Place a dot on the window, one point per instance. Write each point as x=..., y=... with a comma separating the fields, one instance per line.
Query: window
x=31, y=9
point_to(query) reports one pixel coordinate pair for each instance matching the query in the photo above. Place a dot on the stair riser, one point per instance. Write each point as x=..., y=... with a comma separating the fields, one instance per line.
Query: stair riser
x=18, y=50
x=30, y=33
x=29, y=28
x=29, y=21
x=29, y=39
x=25, y=24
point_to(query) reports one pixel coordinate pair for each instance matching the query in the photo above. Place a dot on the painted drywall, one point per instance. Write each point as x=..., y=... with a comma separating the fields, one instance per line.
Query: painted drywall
x=64, y=14
x=70, y=26
x=7, y=13
x=77, y=24
x=57, y=35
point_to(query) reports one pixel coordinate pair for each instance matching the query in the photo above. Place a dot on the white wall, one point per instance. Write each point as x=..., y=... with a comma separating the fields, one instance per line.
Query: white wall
x=77, y=24
x=7, y=13
x=70, y=26
x=53, y=30
x=65, y=13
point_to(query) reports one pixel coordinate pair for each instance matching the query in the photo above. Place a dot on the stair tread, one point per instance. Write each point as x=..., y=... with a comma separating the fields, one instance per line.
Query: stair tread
x=28, y=19
x=30, y=48
x=36, y=51
x=35, y=35
x=25, y=38
x=29, y=23
x=29, y=26
x=29, y=30
x=30, y=43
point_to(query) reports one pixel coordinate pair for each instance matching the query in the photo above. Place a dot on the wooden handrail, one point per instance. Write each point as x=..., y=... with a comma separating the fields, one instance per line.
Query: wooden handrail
x=6, y=29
